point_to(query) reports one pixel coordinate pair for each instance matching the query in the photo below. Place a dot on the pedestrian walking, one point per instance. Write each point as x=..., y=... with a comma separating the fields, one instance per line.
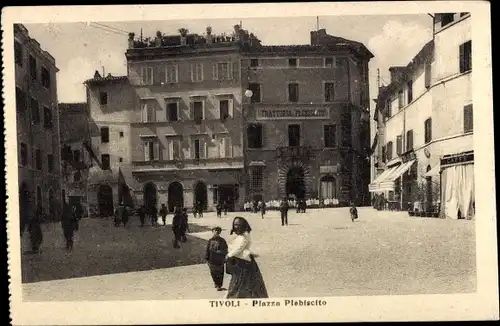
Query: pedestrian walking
x=163, y=213
x=246, y=279
x=68, y=226
x=354, y=212
x=215, y=254
x=77, y=215
x=153, y=213
x=184, y=225
x=219, y=209
x=177, y=223
x=225, y=207
x=284, y=212
x=35, y=231
x=142, y=215
x=263, y=209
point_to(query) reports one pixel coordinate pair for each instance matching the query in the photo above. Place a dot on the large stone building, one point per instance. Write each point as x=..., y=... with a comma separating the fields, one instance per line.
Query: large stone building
x=305, y=132
x=37, y=128
x=425, y=125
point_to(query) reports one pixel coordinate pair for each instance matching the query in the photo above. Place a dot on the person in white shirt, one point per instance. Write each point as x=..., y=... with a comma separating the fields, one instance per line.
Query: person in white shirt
x=246, y=279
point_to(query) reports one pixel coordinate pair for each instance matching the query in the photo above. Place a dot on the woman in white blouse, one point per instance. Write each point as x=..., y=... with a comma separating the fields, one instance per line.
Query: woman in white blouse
x=246, y=279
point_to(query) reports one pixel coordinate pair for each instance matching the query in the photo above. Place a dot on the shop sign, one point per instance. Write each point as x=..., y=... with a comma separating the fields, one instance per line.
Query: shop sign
x=328, y=169
x=457, y=159
x=408, y=156
x=291, y=113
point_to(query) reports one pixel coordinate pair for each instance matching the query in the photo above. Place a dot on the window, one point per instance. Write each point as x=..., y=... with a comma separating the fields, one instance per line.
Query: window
x=399, y=145
x=388, y=108
x=254, y=135
x=174, y=148
x=224, y=109
x=148, y=113
x=197, y=72
x=24, y=154
x=293, y=135
x=197, y=111
x=225, y=148
x=409, y=84
x=147, y=75
x=47, y=117
x=256, y=96
x=223, y=71
x=103, y=98
x=409, y=140
x=50, y=163
x=151, y=150
x=330, y=62
x=292, y=62
x=18, y=53
x=468, y=118
x=446, y=19
x=76, y=156
x=329, y=136
x=121, y=134
x=254, y=62
x=428, y=75
x=389, y=150
x=256, y=178
x=466, y=56
x=33, y=68
x=329, y=92
x=39, y=201
x=120, y=159
x=428, y=130
x=199, y=149
x=293, y=92
x=171, y=74
x=172, y=111
x=45, y=78
x=35, y=111
x=105, y=161
x=401, y=99
x=384, y=154
x=104, y=134
x=38, y=160
x=328, y=187
x=20, y=100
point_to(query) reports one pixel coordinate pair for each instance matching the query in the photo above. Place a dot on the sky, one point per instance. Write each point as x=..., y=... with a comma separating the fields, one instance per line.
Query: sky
x=81, y=48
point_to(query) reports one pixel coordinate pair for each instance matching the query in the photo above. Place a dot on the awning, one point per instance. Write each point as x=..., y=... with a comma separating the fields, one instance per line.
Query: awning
x=374, y=185
x=388, y=183
x=434, y=172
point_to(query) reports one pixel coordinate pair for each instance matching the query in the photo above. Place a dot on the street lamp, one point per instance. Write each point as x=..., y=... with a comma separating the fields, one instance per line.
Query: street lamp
x=248, y=93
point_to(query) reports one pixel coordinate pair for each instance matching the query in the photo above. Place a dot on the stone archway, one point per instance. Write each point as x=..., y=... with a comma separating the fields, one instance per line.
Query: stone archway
x=200, y=195
x=175, y=196
x=150, y=197
x=294, y=177
x=105, y=200
x=295, y=185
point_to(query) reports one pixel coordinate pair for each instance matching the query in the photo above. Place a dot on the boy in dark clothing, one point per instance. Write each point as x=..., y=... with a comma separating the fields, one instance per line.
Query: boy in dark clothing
x=177, y=223
x=68, y=226
x=142, y=215
x=225, y=207
x=215, y=254
x=284, y=212
x=219, y=209
x=354, y=212
x=263, y=209
x=163, y=213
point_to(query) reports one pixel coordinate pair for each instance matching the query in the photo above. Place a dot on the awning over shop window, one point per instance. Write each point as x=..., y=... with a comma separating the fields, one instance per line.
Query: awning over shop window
x=434, y=172
x=388, y=183
x=375, y=185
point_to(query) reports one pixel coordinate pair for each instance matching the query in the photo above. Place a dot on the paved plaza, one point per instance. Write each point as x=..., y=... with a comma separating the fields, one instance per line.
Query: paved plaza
x=320, y=253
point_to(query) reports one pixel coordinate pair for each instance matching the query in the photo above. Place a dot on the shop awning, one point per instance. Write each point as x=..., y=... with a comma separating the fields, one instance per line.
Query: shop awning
x=374, y=185
x=388, y=183
x=434, y=172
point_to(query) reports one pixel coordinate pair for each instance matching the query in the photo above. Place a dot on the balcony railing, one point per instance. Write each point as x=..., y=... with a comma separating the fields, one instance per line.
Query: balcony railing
x=295, y=152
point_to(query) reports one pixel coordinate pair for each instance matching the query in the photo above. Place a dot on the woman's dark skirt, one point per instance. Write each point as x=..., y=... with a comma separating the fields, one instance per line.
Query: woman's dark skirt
x=246, y=280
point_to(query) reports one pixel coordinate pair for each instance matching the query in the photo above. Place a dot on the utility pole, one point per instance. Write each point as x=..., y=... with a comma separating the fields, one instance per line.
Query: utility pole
x=378, y=78
x=103, y=72
x=317, y=23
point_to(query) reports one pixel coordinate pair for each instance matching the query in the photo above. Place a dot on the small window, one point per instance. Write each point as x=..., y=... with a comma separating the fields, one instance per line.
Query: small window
x=24, y=154
x=256, y=178
x=172, y=111
x=38, y=160
x=33, y=67
x=103, y=98
x=428, y=130
x=256, y=92
x=466, y=56
x=223, y=71
x=20, y=100
x=447, y=19
x=50, y=163
x=293, y=135
x=293, y=92
x=330, y=62
x=35, y=111
x=47, y=117
x=197, y=72
x=254, y=63
x=384, y=154
x=104, y=134
x=18, y=53
x=121, y=134
x=120, y=159
x=330, y=136
x=401, y=100
x=254, y=135
x=329, y=92
x=224, y=109
x=171, y=74
x=292, y=62
x=409, y=140
x=105, y=161
x=468, y=118
x=399, y=145
x=409, y=84
x=147, y=75
x=390, y=150
x=197, y=111
x=45, y=78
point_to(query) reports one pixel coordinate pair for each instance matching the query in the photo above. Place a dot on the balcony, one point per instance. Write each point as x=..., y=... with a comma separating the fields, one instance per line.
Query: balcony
x=296, y=152
x=187, y=165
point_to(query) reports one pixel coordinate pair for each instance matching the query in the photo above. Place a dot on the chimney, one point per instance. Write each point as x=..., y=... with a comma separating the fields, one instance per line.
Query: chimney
x=97, y=74
x=396, y=73
x=317, y=36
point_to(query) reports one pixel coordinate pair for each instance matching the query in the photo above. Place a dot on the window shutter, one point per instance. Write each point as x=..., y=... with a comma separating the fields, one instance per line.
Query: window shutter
x=144, y=112
x=203, y=110
x=222, y=147
x=227, y=147
x=204, y=149
x=191, y=110
x=214, y=72
x=231, y=108
x=193, y=68
x=462, y=57
x=170, y=149
x=156, y=150
x=146, y=151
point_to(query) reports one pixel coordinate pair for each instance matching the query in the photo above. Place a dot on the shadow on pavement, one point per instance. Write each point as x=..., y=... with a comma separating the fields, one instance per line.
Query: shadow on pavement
x=101, y=249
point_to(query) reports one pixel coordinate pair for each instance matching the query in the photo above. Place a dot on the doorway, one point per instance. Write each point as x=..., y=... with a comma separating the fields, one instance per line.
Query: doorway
x=175, y=196
x=295, y=185
x=149, y=196
x=105, y=200
x=200, y=195
x=228, y=194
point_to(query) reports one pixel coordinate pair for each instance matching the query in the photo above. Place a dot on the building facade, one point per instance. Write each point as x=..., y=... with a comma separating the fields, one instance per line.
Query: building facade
x=425, y=125
x=305, y=136
x=37, y=127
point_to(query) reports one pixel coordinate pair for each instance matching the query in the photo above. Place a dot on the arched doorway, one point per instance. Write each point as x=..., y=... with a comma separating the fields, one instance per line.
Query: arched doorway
x=328, y=187
x=295, y=183
x=175, y=196
x=149, y=195
x=200, y=194
x=105, y=200
x=24, y=206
